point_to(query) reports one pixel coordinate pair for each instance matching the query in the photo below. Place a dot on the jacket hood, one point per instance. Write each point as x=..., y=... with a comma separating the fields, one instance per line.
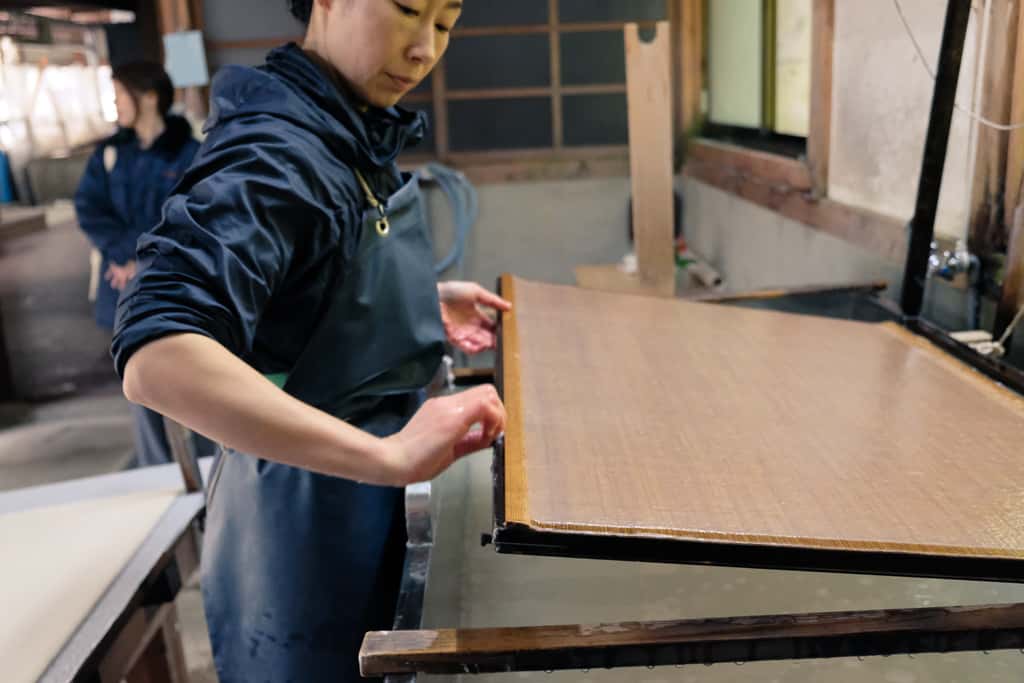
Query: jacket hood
x=290, y=86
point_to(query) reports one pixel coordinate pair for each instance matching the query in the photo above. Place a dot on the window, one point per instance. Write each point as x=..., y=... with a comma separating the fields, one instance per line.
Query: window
x=758, y=73
x=533, y=79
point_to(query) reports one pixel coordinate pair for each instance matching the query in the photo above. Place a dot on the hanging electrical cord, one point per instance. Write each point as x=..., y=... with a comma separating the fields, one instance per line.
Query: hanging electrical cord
x=931, y=72
x=462, y=198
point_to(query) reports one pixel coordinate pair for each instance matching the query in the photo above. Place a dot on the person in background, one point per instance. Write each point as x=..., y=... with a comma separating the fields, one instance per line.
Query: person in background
x=121, y=195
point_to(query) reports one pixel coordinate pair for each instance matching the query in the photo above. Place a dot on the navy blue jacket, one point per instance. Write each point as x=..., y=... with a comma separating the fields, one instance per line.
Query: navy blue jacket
x=115, y=208
x=267, y=216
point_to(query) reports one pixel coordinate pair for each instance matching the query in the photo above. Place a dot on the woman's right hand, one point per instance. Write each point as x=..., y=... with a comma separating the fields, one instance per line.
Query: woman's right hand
x=442, y=431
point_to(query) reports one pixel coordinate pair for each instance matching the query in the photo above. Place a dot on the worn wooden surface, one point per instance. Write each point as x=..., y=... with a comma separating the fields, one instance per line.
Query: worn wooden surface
x=819, y=138
x=649, y=99
x=635, y=416
x=755, y=638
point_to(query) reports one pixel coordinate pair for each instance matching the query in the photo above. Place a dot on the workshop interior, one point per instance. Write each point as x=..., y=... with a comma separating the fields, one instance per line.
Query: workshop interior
x=550, y=340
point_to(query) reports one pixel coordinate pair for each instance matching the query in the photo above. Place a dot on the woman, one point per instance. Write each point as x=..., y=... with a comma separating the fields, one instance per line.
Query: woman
x=286, y=306
x=120, y=195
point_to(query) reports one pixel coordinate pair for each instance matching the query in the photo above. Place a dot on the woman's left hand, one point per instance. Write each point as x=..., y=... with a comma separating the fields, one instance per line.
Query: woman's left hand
x=120, y=276
x=465, y=311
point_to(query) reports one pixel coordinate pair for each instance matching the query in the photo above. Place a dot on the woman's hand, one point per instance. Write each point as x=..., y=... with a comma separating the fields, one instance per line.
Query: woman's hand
x=119, y=276
x=442, y=431
x=464, y=311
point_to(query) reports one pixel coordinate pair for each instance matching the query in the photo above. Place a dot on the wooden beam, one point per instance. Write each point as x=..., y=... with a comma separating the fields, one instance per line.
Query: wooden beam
x=1015, y=147
x=819, y=135
x=876, y=232
x=439, y=91
x=1012, y=297
x=691, y=70
x=987, y=232
x=557, y=123
x=691, y=641
x=251, y=43
x=514, y=30
x=649, y=94
x=784, y=173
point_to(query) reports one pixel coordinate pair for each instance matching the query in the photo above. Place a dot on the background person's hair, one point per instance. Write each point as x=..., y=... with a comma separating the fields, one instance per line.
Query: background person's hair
x=143, y=77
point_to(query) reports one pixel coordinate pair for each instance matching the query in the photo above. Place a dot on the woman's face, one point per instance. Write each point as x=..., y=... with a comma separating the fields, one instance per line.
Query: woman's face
x=384, y=48
x=125, y=103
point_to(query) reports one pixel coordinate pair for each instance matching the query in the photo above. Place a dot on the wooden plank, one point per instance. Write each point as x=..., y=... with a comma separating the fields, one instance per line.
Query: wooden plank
x=691, y=641
x=516, y=30
x=649, y=94
x=439, y=91
x=800, y=434
x=819, y=136
x=252, y=43
x=499, y=93
x=1012, y=297
x=987, y=232
x=508, y=382
x=883, y=235
x=692, y=67
x=540, y=154
x=762, y=294
x=1015, y=148
x=785, y=174
x=540, y=170
x=557, y=117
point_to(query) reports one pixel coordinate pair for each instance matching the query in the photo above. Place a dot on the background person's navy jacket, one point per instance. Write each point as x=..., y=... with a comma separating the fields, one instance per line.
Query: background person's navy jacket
x=114, y=208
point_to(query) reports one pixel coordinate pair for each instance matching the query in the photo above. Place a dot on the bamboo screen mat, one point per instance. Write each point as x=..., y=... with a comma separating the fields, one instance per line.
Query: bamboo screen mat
x=633, y=416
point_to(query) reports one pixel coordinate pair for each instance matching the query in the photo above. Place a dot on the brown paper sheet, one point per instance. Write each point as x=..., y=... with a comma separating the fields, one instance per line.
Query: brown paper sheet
x=642, y=416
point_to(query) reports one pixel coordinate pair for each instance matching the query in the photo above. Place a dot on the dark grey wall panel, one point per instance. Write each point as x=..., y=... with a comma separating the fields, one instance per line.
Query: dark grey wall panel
x=499, y=62
x=595, y=120
x=590, y=58
x=612, y=10
x=500, y=124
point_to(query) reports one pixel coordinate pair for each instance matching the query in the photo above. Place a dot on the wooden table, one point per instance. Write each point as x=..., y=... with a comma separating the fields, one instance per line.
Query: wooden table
x=116, y=619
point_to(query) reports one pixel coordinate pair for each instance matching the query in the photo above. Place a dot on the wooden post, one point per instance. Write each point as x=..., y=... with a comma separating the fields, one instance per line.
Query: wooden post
x=819, y=138
x=1015, y=148
x=987, y=231
x=649, y=92
x=692, y=66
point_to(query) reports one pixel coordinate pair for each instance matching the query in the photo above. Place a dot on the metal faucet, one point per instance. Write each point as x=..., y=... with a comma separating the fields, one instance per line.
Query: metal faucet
x=948, y=264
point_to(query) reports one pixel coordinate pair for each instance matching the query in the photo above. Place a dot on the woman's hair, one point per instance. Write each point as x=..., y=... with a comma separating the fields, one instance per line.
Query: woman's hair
x=143, y=77
x=301, y=9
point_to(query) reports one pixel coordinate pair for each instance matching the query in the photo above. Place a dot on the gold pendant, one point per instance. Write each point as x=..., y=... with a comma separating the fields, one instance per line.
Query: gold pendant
x=383, y=226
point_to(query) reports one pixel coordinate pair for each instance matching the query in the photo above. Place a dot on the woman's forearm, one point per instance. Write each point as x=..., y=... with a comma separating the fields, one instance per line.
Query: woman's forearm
x=197, y=382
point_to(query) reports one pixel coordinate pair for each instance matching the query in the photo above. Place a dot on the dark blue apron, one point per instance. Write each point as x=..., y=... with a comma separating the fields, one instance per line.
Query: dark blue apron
x=298, y=566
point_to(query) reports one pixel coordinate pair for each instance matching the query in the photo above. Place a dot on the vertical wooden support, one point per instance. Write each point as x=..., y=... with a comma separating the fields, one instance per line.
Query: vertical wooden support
x=438, y=88
x=184, y=15
x=649, y=94
x=1015, y=148
x=1013, y=280
x=558, y=127
x=819, y=138
x=649, y=91
x=692, y=65
x=987, y=231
